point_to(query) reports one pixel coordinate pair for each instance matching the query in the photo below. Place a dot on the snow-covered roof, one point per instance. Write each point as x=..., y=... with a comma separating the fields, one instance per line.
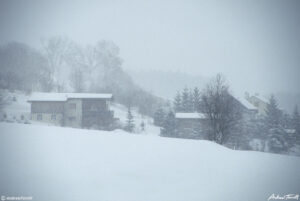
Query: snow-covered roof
x=65, y=96
x=190, y=116
x=89, y=95
x=246, y=104
x=261, y=98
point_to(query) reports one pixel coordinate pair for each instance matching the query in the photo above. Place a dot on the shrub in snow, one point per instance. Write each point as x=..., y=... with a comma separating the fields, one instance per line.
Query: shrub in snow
x=130, y=121
x=276, y=141
x=295, y=150
x=168, y=127
x=94, y=127
x=9, y=121
x=117, y=124
x=142, y=126
x=256, y=145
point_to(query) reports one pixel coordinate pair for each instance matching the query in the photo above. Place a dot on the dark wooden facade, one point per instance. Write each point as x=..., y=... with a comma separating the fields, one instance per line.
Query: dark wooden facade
x=96, y=113
x=194, y=128
x=47, y=107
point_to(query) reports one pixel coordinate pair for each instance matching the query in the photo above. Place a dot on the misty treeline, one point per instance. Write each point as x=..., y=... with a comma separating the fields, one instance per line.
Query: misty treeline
x=228, y=122
x=62, y=65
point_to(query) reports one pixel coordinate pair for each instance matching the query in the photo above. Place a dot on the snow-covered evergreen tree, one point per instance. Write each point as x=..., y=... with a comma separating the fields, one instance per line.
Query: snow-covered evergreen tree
x=190, y=102
x=168, y=129
x=159, y=117
x=296, y=125
x=196, y=100
x=185, y=100
x=273, y=114
x=130, y=121
x=286, y=120
x=252, y=135
x=177, y=102
x=277, y=139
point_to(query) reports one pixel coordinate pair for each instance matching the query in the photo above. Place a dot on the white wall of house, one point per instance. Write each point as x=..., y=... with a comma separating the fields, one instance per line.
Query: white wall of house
x=55, y=118
x=260, y=104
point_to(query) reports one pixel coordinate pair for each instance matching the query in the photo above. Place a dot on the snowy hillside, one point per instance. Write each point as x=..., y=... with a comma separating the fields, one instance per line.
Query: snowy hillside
x=120, y=112
x=17, y=106
x=65, y=164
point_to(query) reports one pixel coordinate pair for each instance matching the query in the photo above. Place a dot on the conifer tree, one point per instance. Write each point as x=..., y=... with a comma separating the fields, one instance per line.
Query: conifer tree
x=190, y=102
x=159, y=117
x=177, y=102
x=273, y=114
x=286, y=120
x=185, y=100
x=168, y=129
x=130, y=121
x=196, y=100
x=296, y=125
x=277, y=138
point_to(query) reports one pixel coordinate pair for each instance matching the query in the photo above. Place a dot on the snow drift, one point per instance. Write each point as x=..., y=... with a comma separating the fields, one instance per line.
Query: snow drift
x=54, y=163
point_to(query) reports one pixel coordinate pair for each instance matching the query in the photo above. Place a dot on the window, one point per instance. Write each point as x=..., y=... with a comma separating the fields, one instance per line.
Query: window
x=53, y=117
x=39, y=117
x=72, y=106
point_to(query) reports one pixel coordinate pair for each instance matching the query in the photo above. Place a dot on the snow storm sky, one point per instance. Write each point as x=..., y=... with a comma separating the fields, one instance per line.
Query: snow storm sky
x=255, y=44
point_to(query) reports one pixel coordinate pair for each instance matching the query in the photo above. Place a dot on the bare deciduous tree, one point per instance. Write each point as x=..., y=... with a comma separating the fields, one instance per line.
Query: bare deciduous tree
x=23, y=68
x=221, y=109
x=55, y=50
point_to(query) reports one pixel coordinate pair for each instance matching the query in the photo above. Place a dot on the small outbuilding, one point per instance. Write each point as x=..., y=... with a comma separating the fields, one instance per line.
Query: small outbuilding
x=191, y=125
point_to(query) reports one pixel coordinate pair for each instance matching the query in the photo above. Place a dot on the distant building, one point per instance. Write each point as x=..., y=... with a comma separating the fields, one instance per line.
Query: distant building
x=79, y=110
x=196, y=125
x=249, y=111
x=191, y=125
x=259, y=102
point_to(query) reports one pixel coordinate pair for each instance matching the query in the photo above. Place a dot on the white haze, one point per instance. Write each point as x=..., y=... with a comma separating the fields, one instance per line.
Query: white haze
x=254, y=44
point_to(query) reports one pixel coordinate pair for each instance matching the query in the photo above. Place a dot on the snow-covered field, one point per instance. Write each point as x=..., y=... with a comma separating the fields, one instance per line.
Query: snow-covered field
x=66, y=164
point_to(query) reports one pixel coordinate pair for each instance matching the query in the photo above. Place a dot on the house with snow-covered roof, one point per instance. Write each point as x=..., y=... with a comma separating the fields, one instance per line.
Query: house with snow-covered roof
x=195, y=125
x=259, y=102
x=249, y=111
x=79, y=110
x=191, y=125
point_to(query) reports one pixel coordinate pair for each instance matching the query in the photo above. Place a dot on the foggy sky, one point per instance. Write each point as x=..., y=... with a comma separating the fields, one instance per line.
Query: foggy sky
x=255, y=44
